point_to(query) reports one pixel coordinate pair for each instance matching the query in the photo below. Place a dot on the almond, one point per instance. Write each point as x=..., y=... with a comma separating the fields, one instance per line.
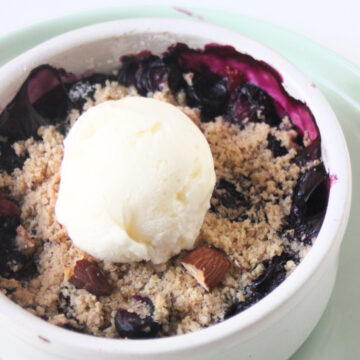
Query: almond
x=207, y=265
x=8, y=208
x=87, y=275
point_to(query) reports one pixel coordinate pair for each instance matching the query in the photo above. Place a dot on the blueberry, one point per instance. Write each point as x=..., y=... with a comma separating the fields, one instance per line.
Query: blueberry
x=309, y=203
x=306, y=231
x=42, y=100
x=239, y=306
x=52, y=107
x=226, y=194
x=155, y=73
x=10, y=258
x=8, y=159
x=138, y=322
x=274, y=273
x=148, y=72
x=131, y=325
x=309, y=153
x=143, y=302
x=129, y=67
x=80, y=92
x=9, y=223
x=13, y=263
x=248, y=102
x=209, y=93
x=150, y=75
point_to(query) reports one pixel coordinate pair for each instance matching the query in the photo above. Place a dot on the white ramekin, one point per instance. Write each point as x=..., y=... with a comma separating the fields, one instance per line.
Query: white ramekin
x=273, y=328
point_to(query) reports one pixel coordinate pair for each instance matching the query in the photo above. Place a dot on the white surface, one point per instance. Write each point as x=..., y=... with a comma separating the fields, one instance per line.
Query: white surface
x=145, y=205
x=263, y=332
x=334, y=24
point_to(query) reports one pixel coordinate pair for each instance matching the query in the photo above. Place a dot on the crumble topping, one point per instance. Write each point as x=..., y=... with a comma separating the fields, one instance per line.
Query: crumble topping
x=249, y=209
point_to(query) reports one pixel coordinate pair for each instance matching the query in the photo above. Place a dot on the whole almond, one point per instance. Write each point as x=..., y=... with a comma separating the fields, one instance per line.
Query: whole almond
x=87, y=275
x=207, y=265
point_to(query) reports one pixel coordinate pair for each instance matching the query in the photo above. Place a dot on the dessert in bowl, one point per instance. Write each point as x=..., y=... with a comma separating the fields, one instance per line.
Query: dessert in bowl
x=263, y=142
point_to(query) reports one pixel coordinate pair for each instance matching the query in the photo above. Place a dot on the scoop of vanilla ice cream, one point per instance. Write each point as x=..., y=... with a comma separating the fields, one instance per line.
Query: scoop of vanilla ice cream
x=136, y=181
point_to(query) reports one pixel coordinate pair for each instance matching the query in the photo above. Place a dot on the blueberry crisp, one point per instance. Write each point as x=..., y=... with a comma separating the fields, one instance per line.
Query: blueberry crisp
x=266, y=210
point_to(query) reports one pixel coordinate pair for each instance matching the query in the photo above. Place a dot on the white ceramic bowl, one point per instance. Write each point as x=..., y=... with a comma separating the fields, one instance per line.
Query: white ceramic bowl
x=273, y=328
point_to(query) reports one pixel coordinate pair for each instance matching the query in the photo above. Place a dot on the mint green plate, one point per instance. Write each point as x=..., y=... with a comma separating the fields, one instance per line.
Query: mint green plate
x=337, y=336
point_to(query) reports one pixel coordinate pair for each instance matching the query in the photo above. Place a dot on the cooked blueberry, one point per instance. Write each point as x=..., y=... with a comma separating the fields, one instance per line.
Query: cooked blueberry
x=228, y=202
x=226, y=194
x=148, y=72
x=42, y=100
x=275, y=146
x=9, y=223
x=307, y=230
x=144, y=303
x=10, y=258
x=27, y=268
x=248, y=102
x=209, y=93
x=80, y=92
x=52, y=107
x=309, y=203
x=239, y=306
x=129, y=66
x=83, y=90
x=13, y=263
x=273, y=274
x=308, y=197
x=136, y=320
x=8, y=158
x=133, y=326
x=175, y=78
x=309, y=153
x=155, y=73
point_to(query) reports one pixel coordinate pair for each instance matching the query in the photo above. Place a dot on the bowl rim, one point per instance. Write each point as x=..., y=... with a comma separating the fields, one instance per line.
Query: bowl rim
x=328, y=239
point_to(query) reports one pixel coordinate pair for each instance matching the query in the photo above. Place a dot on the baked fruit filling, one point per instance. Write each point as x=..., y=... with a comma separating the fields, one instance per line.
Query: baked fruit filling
x=267, y=207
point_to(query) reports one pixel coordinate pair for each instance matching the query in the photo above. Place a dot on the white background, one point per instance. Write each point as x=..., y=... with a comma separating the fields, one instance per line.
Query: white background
x=334, y=24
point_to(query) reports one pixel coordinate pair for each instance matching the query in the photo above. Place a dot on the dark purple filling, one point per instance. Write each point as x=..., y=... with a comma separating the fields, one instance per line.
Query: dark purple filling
x=225, y=191
x=275, y=146
x=132, y=325
x=13, y=263
x=240, y=68
x=224, y=82
x=273, y=275
x=309, y=204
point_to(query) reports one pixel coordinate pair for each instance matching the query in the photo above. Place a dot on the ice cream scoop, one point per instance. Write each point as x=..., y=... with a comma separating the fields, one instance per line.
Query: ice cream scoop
x=136, y=181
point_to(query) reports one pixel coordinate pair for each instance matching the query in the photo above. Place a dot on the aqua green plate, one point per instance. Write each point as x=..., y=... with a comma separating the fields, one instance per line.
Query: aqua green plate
x=337, y=336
